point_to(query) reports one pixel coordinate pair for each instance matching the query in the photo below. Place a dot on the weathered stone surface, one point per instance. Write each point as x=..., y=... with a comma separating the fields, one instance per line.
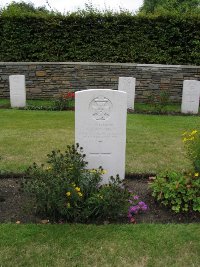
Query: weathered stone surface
x=98, y=75
x=35, y=90
x=17, y=91
x=190, y=98
x=127, y=85
x=40, y=73
x=165, y=80
x=100, y=128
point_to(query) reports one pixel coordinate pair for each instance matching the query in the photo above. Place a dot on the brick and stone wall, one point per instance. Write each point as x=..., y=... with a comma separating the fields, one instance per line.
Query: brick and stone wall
x=46, y=79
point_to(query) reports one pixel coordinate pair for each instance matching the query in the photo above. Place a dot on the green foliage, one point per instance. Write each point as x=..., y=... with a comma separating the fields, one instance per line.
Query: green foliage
x=66, y=190
x=110, y=201
x=100, y=37
x=177, y=191
x=192, y=144
x=64, y=101
x=159, y=101
x=176, y=7
x=23, y=8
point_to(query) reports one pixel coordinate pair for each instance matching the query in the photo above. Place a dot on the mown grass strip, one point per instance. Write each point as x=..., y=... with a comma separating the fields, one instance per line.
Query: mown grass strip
x=90, y=245
x=154, y=142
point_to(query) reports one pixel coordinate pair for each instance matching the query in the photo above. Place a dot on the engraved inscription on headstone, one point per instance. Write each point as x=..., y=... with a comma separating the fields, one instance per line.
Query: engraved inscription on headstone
x=100, y=108
x=17, y=91
x=190, y=96
x=100, y=128
x=127, y=84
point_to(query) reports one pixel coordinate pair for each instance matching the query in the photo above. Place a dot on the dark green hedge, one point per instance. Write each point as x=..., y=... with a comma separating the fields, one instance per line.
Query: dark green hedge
x=101, y=38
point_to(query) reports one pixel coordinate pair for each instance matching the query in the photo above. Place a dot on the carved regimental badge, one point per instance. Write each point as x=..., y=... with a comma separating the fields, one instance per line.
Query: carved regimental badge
x=100, y=108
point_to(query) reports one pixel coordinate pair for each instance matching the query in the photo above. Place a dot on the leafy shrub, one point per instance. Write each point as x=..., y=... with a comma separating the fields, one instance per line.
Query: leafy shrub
x=110, y=201
x=178, y=191
x=159, y=101
x=192, y=144
x=97, y=37
x=64, y=101
x=65, y=189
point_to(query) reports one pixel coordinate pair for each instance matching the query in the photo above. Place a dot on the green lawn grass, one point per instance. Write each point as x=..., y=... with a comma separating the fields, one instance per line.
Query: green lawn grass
x=153, y=142
x=105, y=245
x=36, y=102
x=148, y=107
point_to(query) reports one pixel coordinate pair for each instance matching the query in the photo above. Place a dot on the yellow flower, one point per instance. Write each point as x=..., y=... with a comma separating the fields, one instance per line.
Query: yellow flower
x=184, y=133
x=73, y=184
x=80, y=194
x=193, y=132
x=196, y=174
x=77, y=189
x=93, y=171
x=48, y=168
x=184, y=139
x=103, y=172
x=68, y=205
x=68, y=194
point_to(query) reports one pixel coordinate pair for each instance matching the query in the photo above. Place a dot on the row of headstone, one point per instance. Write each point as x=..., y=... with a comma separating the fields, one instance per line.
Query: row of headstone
x=190, y=95
x=100, y=119
x=100, y=123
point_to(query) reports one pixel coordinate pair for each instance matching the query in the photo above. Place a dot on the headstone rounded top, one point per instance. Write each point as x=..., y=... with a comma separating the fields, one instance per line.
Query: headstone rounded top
x=192, y=81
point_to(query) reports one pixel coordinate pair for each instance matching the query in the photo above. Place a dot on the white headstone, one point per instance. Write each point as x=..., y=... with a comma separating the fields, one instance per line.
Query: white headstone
x=100, y=128
x=190, y=96
x=127, y=84
x=17, y=91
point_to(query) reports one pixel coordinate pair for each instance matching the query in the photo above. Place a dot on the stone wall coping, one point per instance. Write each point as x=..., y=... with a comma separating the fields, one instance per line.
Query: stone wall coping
x=100, y=64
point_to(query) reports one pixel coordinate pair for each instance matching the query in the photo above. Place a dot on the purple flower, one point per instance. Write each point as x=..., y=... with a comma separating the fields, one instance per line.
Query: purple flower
x=141, y=203
x=144, y=207
x=134, y=209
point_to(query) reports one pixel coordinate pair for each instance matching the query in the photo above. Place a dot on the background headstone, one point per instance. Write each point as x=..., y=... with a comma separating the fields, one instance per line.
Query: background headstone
x=127, y=84
x=17, y=91
x=190, y=96
x=100, y=128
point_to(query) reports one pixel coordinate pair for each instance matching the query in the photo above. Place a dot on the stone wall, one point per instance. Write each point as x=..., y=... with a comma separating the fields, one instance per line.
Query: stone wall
x=46, y=79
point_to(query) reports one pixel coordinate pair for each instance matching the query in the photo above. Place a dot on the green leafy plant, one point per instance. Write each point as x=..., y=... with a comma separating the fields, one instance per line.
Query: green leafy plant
x=64, y=101
x=36, y=107
x=192, y=144
x=96, y=37
x=159, y=101
x=66, y=189
x=179, y=192
x=110, y=201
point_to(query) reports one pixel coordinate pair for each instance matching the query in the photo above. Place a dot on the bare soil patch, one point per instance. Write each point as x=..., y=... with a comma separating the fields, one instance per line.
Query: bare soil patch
x=14, y=204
